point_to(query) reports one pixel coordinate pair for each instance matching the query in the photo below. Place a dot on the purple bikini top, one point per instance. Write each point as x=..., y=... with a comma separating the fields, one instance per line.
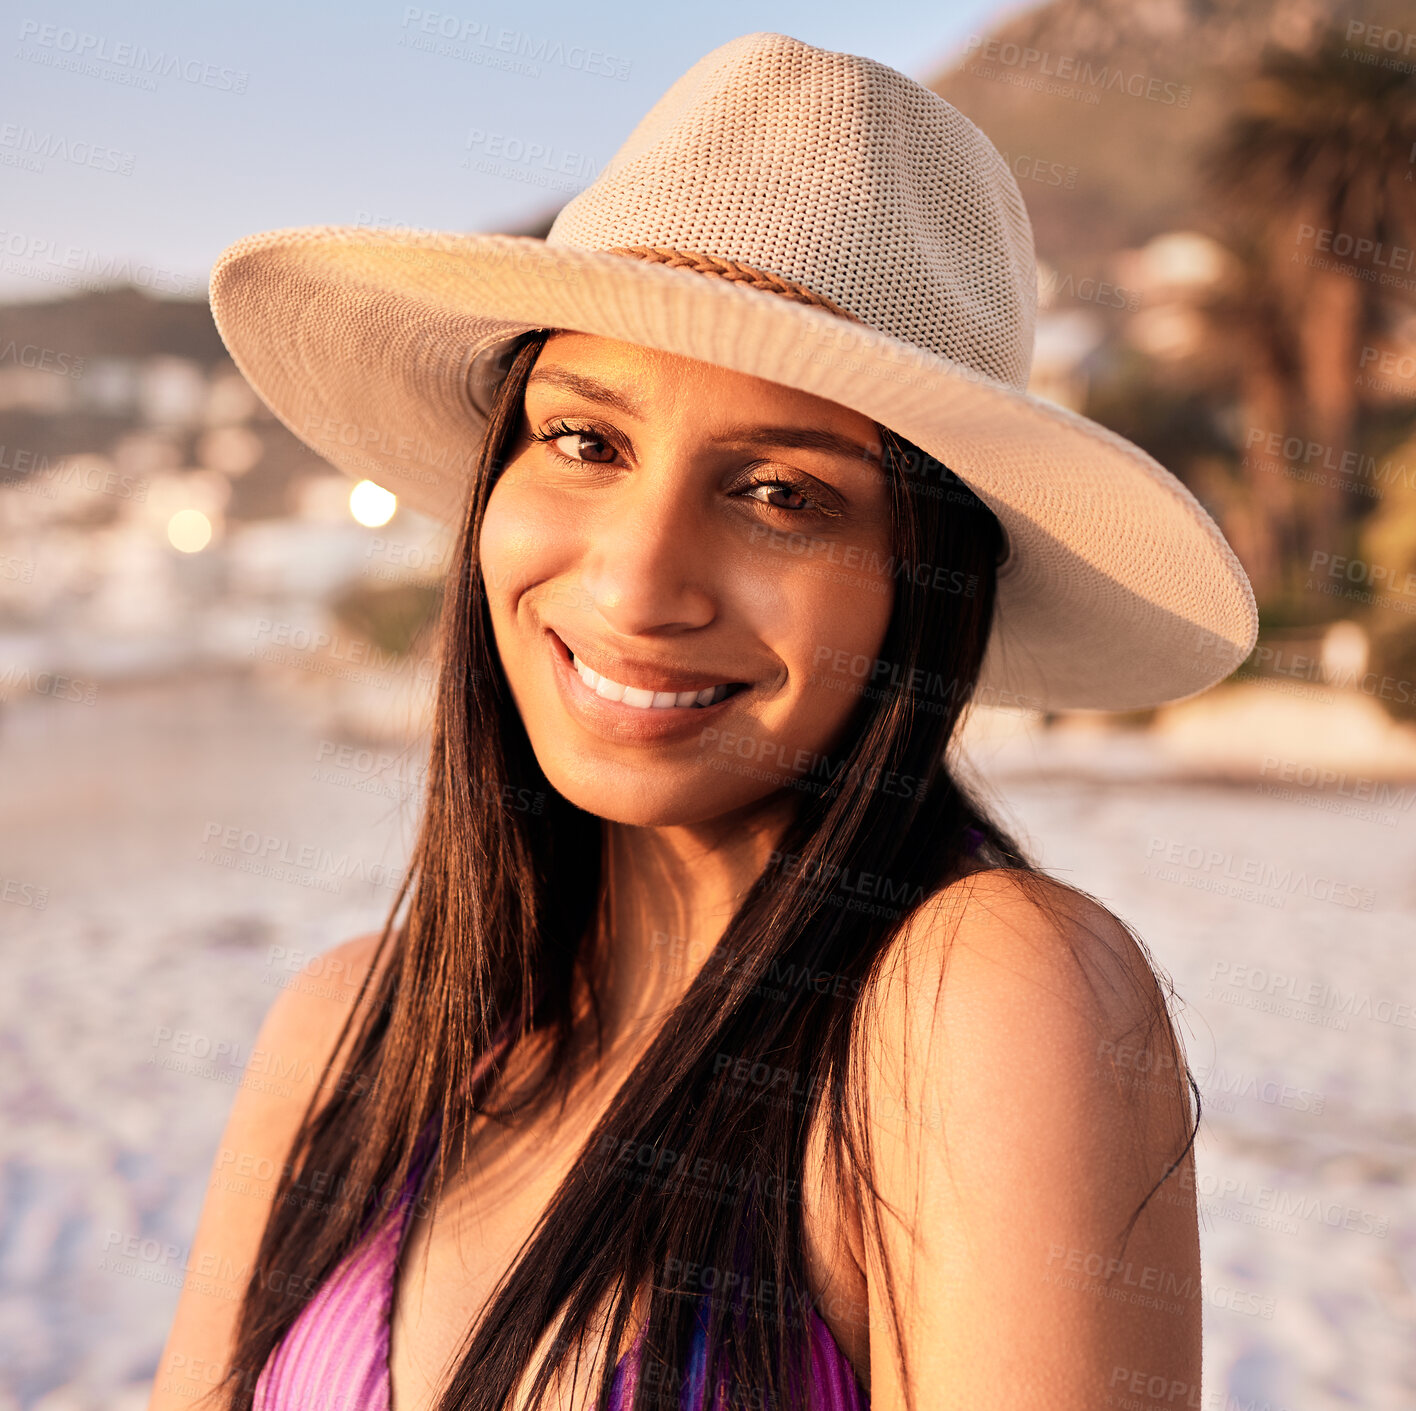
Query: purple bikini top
x=334, y=1357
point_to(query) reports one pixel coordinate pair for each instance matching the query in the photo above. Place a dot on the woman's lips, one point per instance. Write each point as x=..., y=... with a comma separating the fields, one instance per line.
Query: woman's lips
x=616, y=720
x=642, y=698
x=627, y=674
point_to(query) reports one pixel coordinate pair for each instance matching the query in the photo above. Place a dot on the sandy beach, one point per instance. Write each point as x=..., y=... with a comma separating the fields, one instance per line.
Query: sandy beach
x=141, y=952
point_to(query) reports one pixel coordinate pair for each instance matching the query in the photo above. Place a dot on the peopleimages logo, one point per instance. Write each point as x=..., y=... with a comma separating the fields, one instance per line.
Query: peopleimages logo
x=475, y=41
x=1215, y=869
x=39, y=257
x=30, y=149
x=39, y=359
x=58, y=46
x=1382, y=792
x=1230, y=979
x=1067, y=74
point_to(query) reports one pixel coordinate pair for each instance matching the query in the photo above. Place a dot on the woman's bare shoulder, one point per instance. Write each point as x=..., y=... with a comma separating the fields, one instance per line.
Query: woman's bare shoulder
x=296, y=1038
x=1025, y=1097
x=1007, y=969
x=1028, y=926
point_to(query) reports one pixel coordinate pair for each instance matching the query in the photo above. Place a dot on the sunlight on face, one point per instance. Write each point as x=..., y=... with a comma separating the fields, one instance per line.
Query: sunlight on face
x=680, y=528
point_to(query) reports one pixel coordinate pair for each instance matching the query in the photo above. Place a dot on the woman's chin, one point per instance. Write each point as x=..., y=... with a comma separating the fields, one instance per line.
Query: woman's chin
x=636, y=798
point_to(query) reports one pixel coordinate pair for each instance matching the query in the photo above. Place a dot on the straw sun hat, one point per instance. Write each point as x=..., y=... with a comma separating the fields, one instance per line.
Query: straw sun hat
x=816, y=219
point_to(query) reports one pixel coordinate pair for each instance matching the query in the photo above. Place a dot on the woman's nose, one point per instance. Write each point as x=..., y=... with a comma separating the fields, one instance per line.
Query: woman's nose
x=648, y=564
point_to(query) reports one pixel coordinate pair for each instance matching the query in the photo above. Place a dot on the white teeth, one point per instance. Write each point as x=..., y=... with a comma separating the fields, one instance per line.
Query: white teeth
x=646, y=700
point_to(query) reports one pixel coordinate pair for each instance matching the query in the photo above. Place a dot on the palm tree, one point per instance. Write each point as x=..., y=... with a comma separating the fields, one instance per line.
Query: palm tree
x=1319, y=141
x=1252, y=346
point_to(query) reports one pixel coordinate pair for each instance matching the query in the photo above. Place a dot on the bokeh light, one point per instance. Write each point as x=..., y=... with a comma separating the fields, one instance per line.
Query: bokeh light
x=371, y=504
x=189, y=530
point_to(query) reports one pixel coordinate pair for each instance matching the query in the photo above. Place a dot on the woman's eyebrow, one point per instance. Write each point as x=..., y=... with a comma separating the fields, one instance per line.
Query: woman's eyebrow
x=585, y=387
x=803, y=438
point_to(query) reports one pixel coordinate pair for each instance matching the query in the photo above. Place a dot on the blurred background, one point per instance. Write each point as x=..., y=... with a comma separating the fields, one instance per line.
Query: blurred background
x=212, y=684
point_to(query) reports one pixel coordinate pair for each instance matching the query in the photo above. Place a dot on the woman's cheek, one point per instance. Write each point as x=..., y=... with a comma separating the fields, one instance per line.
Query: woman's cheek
x=836, y=609
x=515, y=545
x=827, y=623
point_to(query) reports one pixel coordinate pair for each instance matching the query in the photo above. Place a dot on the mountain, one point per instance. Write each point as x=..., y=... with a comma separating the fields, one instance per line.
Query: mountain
x=1102, y=106
x=122, y=322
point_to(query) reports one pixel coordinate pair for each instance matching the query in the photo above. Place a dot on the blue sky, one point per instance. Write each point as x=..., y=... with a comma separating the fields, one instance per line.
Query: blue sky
x=261, y=115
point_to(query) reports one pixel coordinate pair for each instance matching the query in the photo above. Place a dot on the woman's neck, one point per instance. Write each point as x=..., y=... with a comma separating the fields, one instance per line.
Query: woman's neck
x=670, y=893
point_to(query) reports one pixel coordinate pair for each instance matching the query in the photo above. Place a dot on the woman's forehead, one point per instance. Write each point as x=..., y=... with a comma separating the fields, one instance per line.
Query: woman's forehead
x=637, y=380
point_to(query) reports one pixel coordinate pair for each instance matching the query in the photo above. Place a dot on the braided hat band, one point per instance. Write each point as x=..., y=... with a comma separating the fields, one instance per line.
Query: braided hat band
x=735, y=272
x=898, y=250
x=716, y=267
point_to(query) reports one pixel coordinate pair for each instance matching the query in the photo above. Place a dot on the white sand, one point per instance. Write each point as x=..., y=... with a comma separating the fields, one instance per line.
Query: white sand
x=1311, y=1108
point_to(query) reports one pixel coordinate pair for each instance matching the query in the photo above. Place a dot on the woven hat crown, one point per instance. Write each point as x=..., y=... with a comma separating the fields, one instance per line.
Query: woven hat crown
x=841, y=175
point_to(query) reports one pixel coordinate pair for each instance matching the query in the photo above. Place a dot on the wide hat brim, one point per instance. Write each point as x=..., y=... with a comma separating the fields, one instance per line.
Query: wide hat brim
x=1119, y=592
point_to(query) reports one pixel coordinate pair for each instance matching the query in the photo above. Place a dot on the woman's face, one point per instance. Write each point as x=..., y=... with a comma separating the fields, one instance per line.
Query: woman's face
x=680, y=527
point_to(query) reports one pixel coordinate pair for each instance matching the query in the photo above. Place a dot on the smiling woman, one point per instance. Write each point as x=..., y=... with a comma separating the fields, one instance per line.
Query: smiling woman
x=631, y=554
x=727, y=1052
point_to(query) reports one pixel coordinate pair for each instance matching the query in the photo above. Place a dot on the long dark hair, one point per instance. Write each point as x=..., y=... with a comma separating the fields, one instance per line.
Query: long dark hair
x=504, y=888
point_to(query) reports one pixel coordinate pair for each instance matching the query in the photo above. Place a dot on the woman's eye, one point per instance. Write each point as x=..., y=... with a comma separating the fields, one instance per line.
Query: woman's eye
x=596, y=457
x=807, y=500
x=558, y=432
x=783, y=487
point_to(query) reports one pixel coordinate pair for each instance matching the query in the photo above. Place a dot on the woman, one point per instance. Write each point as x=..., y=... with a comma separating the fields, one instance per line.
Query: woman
x=659, y=1093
